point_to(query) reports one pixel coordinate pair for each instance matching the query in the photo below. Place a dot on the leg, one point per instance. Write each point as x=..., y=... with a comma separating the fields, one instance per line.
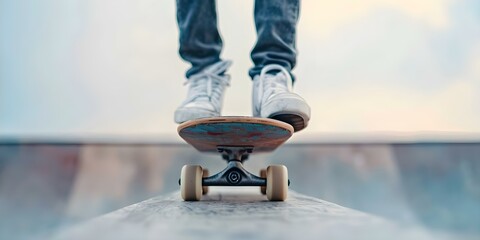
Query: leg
x=200, y=42
x=275, y=21
x=274, y=57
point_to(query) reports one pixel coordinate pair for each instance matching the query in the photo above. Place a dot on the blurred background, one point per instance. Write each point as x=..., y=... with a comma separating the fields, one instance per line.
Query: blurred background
x=88, y=89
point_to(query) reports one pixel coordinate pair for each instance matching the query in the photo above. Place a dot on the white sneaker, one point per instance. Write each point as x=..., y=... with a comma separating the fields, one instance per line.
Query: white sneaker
x=273, y=98
x=205, y=93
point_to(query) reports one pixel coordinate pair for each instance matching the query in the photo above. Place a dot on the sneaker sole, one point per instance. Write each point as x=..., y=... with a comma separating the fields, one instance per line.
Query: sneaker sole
x=298, y=123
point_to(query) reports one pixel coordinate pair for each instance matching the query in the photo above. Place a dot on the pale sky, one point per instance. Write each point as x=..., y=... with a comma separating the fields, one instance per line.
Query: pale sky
x=89, y=67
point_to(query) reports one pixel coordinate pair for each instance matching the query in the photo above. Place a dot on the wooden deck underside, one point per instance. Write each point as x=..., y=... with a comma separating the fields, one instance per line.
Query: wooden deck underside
x=262, y=134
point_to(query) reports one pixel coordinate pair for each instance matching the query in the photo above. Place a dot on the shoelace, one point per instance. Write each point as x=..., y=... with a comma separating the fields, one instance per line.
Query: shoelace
x=210, y=79
x=273, y=83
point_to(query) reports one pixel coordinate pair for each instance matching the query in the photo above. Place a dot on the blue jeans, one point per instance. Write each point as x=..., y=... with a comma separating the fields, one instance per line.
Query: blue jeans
x=275, y=22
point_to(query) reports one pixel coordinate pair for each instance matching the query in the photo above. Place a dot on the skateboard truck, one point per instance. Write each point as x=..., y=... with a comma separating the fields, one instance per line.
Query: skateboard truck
x=234, y=174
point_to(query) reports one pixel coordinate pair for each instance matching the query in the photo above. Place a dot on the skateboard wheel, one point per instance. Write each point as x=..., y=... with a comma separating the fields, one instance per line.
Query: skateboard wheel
x=263, y=174
x=205, y=188
x=191, y=182
x=277, y=183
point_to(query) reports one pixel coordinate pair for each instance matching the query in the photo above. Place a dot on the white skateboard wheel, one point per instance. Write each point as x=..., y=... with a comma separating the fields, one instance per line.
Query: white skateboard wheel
x=205, y=188
x=263, y=174
x=191, y=182
x=277, y=182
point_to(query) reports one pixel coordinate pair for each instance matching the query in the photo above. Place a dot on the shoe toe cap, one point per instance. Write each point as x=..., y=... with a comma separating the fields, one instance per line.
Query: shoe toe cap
x=195, y=110
x=286, y=103
x=200, y=105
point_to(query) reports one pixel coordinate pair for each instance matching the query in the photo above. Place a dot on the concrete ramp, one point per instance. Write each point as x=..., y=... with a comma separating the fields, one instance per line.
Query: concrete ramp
x=239, y=213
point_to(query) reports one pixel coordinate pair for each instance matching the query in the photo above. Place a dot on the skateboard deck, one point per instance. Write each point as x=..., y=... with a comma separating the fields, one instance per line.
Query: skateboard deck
x=260, y=134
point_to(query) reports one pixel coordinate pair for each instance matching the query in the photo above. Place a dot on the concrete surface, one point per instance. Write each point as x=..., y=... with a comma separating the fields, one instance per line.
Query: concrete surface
x=240, y=213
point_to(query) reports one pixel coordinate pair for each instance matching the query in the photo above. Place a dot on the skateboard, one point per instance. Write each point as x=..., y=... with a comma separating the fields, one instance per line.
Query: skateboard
x=235, y=138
